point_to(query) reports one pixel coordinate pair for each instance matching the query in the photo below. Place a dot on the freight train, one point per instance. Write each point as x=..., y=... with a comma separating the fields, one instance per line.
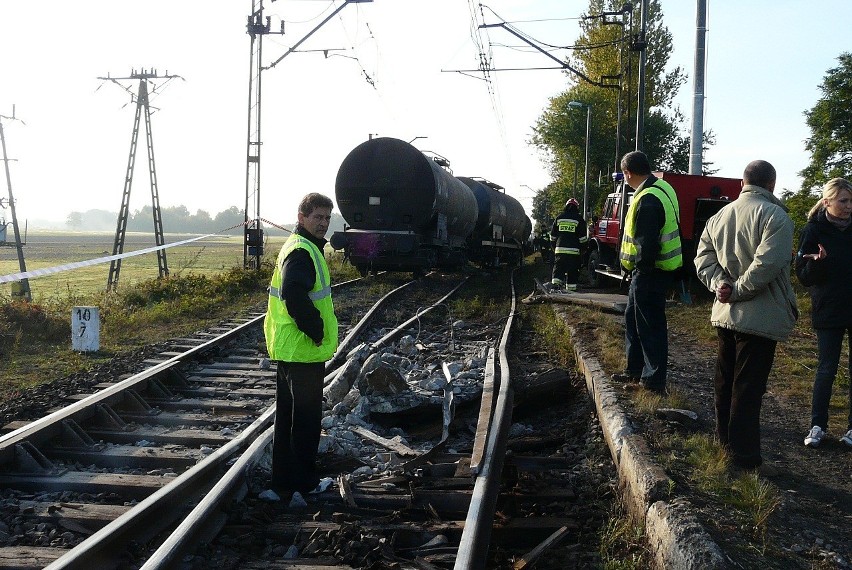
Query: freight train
x=405, y=211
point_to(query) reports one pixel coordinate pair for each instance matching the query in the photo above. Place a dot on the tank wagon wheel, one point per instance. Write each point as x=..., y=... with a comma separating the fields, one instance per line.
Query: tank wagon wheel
x=363, y=270
x=594, y=277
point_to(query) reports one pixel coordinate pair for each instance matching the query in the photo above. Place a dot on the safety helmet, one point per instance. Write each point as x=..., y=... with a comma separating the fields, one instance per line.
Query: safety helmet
x=572, y=202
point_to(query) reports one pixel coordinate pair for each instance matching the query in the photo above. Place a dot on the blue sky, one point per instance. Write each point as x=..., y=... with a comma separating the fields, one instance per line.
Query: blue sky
x=765, y=61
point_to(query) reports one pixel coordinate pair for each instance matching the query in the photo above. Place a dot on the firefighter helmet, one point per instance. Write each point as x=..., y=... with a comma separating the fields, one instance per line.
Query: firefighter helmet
x=572, y=202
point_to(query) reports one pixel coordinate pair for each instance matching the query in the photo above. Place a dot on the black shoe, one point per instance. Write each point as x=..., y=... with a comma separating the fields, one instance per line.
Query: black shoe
x=625, y=377
x=764, y=470
x=659, y=390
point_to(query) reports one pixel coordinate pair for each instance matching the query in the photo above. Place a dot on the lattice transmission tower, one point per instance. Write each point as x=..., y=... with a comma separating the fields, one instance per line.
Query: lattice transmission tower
x=143, y=111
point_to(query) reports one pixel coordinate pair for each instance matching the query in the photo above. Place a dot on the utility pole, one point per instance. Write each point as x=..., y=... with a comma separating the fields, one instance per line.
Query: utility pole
x=640, y=45
x=696, y=144
x=257, y=27
x=143, y=109
x=24, y=290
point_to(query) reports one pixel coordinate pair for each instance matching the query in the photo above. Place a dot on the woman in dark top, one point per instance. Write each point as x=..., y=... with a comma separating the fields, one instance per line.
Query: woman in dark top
x=824, y=266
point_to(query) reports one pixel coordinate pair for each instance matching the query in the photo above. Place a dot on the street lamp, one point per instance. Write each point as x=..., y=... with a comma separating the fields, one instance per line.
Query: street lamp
x=579, y=105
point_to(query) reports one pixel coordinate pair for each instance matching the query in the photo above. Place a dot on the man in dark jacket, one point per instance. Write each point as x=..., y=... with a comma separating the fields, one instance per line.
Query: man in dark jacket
x=651, y=249
x=571, y=234
x=301, y=334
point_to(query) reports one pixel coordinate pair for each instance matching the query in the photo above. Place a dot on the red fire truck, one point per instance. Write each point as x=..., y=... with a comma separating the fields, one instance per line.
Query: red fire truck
x=699, y=198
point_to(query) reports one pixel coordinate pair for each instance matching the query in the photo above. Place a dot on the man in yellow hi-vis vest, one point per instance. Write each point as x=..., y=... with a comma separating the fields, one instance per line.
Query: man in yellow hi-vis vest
x=651, y=249
x=301, y=334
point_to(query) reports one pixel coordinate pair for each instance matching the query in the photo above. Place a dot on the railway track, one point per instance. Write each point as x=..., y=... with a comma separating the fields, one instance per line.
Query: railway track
x=142, y=472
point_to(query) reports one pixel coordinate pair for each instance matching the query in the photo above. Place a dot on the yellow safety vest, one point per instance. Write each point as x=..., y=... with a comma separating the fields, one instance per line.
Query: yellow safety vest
x=284, y=340
x=670, y=256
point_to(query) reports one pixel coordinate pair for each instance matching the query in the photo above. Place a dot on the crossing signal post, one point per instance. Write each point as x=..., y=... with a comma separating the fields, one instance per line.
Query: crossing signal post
x=254, y=242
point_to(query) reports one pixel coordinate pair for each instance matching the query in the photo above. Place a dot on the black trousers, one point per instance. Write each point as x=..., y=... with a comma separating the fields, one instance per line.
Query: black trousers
x=646, y=329
x=743, y=363
x=298, y=413
x=566, y=268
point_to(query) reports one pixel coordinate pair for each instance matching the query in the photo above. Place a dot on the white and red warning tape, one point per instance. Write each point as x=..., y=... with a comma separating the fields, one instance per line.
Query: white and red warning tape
x=88, y=262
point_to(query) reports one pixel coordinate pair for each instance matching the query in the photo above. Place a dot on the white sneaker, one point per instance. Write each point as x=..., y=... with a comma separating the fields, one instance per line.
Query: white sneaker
x=847, y=438
x=815, y=437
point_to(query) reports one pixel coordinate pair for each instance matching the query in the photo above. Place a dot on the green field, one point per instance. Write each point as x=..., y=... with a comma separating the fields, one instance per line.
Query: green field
x=46, y=249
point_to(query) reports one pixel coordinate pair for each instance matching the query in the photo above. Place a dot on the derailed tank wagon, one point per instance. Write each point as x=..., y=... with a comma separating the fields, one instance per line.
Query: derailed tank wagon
x=405, y=211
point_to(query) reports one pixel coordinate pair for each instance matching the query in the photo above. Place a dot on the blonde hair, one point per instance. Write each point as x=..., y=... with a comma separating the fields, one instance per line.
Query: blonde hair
x=830, y=191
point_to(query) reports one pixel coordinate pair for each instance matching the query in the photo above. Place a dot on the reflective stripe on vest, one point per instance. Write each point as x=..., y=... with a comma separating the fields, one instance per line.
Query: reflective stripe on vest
x=567, y=250
x=670, y=256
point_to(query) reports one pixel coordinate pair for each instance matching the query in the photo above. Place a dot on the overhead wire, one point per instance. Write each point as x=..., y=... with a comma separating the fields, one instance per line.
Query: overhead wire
x=485, y=65
x=367, y=77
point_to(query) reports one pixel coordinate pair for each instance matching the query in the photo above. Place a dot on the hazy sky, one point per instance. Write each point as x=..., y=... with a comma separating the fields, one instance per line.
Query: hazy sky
x=389, y=74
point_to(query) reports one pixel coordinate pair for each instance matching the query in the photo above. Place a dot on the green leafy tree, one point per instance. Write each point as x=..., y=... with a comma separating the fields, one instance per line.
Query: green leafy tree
x=604, y=55
x=798, y=205
x=830, y=143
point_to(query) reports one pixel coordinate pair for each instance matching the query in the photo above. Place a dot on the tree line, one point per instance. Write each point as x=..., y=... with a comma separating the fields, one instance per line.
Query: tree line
x=176, y=219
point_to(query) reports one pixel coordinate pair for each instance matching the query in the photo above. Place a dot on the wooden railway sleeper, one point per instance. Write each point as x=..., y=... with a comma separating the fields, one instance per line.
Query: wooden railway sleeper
x=74, y=436
x=31, y=461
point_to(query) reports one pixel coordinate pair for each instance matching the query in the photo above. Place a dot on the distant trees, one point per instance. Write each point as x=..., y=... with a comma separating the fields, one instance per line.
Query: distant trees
x=176, y=219
x=74, y=220
x=830, y=143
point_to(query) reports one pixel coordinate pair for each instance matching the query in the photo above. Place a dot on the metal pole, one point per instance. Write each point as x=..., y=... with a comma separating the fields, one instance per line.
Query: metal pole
x=586, y=172
x=643, y=55
x=574, y=188
x=25, y=283
x=696, y=146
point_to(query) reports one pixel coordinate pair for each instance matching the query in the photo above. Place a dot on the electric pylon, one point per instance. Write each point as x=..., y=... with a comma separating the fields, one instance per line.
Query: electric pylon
x=24, y=290
x=143, y=110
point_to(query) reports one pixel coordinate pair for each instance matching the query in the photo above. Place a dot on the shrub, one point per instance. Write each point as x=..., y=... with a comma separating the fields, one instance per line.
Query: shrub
x=33, y=321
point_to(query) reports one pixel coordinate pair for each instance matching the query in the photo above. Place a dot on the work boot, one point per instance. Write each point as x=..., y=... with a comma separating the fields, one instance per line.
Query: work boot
x=626, y=377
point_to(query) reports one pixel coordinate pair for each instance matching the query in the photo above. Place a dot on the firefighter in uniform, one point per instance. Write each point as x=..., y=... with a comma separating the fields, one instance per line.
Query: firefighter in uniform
x=651, y=250
x=301, y=334
x=570, y=234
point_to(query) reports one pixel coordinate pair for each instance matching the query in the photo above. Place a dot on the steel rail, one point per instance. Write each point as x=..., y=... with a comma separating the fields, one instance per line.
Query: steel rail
x=390, y=336
x=473, y=546
x=356, y=331
x=50, y=426
x=178, y=541
x=156, y=511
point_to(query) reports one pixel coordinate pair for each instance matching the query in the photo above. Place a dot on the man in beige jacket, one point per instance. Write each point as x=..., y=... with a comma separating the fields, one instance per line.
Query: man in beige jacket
x=744, y=256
